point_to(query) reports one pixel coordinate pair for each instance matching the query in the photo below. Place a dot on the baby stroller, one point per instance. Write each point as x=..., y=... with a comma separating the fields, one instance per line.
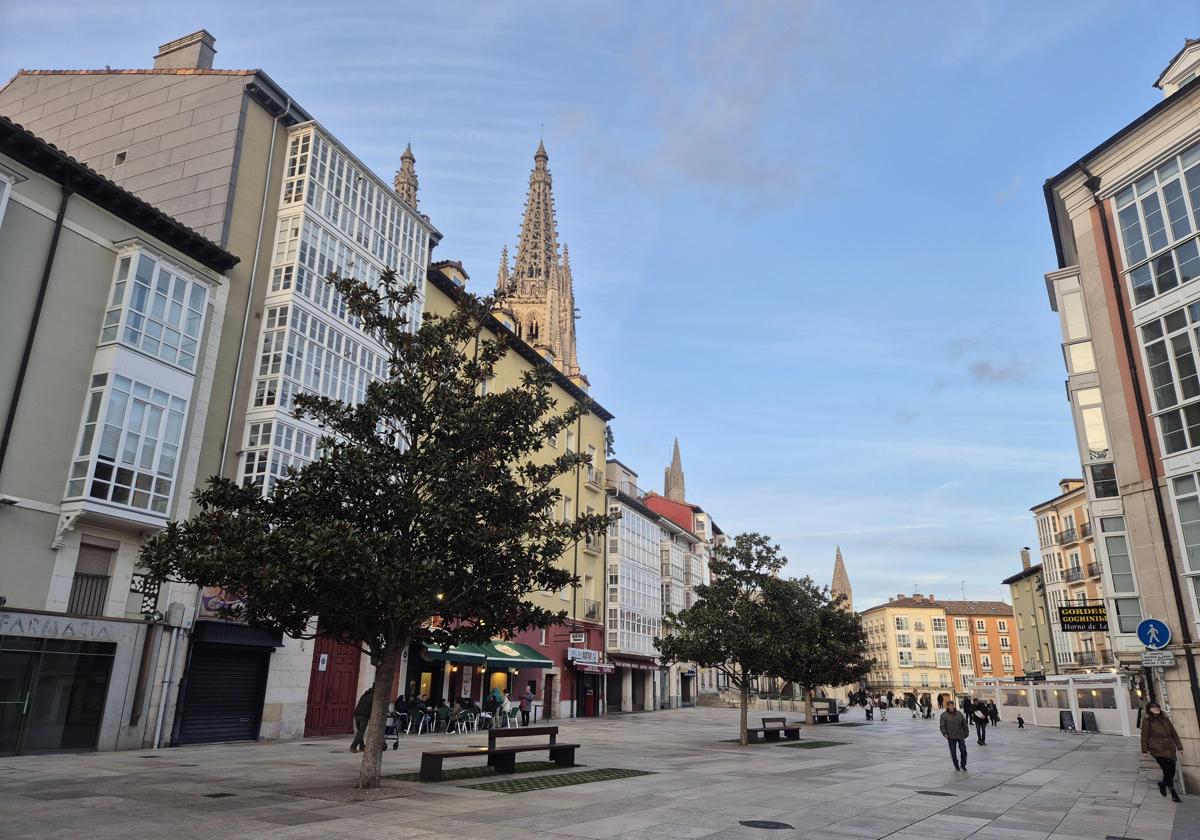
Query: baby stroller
x=396, y=721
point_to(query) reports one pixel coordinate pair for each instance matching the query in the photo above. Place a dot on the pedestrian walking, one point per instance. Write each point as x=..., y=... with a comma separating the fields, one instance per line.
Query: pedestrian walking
x=993, y=713
x=953, y=726
x=1160, y=740
x=912, y=705
x=362, y=714
x=526, y=703
x=883, y=711
x=966, y=710
x=980, y=715
x=889, y=697
x=1020, y=722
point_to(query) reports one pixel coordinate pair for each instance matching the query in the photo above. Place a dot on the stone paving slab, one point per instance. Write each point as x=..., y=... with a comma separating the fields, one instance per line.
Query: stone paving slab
x=1024, y=785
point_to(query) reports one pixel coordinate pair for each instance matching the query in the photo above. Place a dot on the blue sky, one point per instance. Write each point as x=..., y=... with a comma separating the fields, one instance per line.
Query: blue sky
x=808, y=238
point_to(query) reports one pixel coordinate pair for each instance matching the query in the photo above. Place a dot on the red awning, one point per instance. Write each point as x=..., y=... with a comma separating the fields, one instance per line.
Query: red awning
x=594, y=667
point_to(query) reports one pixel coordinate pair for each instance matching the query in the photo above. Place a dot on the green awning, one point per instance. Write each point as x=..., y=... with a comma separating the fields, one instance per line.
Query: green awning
x=514, y=655
x=467, y=653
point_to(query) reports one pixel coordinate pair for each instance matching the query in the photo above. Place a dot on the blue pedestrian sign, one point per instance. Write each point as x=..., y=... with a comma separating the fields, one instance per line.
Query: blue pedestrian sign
x=1154, y=633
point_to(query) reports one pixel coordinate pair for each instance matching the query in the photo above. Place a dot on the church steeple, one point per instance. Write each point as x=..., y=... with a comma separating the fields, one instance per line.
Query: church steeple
x=542, y=299
x=841, y=581
x=673, y=487
x=406, y=177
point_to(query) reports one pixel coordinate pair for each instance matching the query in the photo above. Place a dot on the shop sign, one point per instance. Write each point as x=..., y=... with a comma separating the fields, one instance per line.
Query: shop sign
x=467, y=680
x=1083, y=619
x=578, y=638
x=52, y=627
x=583, y=655
x=1158, y=659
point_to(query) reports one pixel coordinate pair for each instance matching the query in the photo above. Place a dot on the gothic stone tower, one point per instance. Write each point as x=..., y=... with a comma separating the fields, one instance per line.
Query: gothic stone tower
x=541, y=290
x=673, y=487
x=841, y=581
x=406, y=178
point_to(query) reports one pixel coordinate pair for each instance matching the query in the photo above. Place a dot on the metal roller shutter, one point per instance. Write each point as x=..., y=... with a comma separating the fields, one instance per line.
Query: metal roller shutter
x=225, y=691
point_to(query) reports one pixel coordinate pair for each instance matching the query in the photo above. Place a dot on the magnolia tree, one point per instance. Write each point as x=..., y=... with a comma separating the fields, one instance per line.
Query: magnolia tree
x=738, y=621
x=428, y=516
x=823, y=642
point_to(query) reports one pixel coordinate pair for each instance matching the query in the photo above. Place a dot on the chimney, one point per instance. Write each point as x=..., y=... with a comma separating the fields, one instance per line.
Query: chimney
x=931, y=598
x=899, y=596
x=193, y=51
x=1025, y=557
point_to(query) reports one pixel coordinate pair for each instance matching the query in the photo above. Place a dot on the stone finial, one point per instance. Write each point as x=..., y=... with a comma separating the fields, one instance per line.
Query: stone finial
x=406, y=177
x=673, y=483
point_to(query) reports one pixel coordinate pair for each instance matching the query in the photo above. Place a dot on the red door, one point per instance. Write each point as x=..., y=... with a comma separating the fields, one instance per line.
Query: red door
x=332, y=689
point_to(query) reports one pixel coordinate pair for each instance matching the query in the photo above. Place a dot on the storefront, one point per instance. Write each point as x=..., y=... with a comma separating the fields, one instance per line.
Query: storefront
x=636, y=676
x=473, y=670
x=64, y=682
x=567, y=691
x=221, y=698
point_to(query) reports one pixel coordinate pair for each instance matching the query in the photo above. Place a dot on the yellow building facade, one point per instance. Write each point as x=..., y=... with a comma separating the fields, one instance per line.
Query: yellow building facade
x=907, y=639
x=573, y=684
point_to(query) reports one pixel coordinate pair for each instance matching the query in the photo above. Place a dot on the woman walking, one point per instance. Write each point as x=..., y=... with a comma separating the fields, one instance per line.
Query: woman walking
x=1159, y=739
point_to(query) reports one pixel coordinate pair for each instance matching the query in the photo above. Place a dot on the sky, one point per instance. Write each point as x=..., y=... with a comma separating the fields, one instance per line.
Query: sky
x=808, y=238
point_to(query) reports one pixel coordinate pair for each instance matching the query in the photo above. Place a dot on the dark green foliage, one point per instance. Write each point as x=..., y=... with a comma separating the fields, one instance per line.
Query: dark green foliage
x=426, y=515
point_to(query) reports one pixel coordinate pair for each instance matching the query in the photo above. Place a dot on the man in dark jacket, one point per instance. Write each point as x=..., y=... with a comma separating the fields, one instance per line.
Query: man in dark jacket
x=979, y=716
x=362, y=714
x=953, y=725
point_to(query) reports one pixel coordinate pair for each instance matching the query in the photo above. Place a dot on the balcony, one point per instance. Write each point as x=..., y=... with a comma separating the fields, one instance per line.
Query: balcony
x=1085, y=530
x=1094, y=570
x=1073, y=574
x=1087, y=659
x=591, y=609
x=1107, y=658
x=1067, y=536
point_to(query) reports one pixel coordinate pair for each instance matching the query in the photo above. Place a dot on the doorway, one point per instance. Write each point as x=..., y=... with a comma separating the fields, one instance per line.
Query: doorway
x=332, y=688
x=52, y=694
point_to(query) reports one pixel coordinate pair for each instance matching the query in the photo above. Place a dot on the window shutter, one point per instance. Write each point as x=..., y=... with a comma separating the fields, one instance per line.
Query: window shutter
x=93, y=560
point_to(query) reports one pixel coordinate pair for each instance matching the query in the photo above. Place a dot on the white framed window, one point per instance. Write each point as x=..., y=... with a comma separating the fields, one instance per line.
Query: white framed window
x=1116, y=548
x=966, y=662
x=943, y=658
x=903, y=640
x=963, y=641
x=568, y=509
x=129, y=458
x=1157, y=217
x=980, y=626
x=985, y=662
x=1007, y=661
x=901, y=622
x=941, y=641
x=961, y=624
x=1002, y=626
x=983, y=643
x=1005, y=643
x=904, y=680
x=1129, y=614
x=939, y=625
x=943, y=681
x=570, y=441
x=906, y=658
x=155, y=308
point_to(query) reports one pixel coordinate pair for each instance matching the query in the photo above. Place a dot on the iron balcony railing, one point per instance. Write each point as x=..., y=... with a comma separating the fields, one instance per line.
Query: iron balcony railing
x=1094, y=569
x=1067, y=536
x=591, y=609
x=1086, y=658
x=1073, y=574
x=1085, y=530
x=88, y=594
x=1107, y=658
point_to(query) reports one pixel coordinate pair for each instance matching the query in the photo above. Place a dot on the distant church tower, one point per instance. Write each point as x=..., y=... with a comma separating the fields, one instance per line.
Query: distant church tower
x=841, y=581
x=673, y=478
x=406, y=178
x=541, y=297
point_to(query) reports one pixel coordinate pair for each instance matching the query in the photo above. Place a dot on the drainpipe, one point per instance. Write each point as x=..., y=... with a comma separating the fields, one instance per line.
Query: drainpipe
x=15, y=398
x=166, y=687
x=1093, y=184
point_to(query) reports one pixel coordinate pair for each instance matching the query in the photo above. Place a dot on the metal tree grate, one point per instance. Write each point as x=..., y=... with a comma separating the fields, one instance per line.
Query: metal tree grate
x=476, y=772
x=559, y=780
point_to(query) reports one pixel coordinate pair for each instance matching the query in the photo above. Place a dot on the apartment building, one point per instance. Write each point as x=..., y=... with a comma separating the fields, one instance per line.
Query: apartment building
x=1073, y=576
x=1125, y=220
x=1033, y=621
x=233, y=155
x=982, y=641
x=908, y=640
x=111, y=316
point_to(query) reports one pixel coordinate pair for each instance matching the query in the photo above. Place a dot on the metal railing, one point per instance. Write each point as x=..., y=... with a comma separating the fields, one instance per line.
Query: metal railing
x=1086, y=658
x=1067, y=536
x=1094, y=569
x=591, y=609
x=1085, y=530
x=593, y=476
x=1107, y=658
x=1073, y=574
x=88, y=594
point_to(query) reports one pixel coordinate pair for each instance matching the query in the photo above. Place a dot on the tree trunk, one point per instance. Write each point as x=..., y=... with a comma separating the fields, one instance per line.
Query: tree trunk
x=808, y=707
x=372, y=760
x=744, y=689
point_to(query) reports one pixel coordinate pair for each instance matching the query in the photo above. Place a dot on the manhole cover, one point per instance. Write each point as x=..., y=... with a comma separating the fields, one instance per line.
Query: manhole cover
x=936, y=793
x=217, y=795
x=763, y=824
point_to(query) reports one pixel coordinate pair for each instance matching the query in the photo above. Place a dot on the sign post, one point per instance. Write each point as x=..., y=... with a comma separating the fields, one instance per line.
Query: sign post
x=1154, y=634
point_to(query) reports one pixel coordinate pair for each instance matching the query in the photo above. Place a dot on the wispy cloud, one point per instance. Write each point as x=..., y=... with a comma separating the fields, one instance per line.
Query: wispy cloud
x=988, y=373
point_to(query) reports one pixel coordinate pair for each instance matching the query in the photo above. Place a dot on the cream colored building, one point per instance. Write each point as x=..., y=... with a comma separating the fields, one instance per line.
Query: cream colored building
x=1125, y=220
x=1033, y=622
x=1072, y=575
x=906, y=640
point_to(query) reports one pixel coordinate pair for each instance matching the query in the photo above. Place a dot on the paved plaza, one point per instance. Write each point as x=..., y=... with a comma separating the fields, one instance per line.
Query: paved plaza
x=887, y=779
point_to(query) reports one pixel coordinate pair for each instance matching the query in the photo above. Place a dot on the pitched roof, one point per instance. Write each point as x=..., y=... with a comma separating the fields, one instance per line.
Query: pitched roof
x=909, y=603
x=1024, y=573
x=1187, y=43
x=40, y=156
x=977, y=608
x=680, y=513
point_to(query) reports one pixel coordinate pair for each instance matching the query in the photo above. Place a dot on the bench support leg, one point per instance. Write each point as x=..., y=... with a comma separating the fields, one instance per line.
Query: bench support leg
x=504, y=762
x=563, y=756
x=431, y=768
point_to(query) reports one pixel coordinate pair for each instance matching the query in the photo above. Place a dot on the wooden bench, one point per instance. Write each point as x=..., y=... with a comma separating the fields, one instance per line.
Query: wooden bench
x=772, y=728
x=501, y=759
x=826, y=711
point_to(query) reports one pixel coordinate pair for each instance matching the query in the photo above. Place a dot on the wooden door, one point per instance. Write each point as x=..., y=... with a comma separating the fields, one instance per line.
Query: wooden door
x=332, y=689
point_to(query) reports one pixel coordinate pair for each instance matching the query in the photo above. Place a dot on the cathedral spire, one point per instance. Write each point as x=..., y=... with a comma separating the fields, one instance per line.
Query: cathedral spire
x=502, y=276
x=406, y=177
x=841, y=581
x=673, y=487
